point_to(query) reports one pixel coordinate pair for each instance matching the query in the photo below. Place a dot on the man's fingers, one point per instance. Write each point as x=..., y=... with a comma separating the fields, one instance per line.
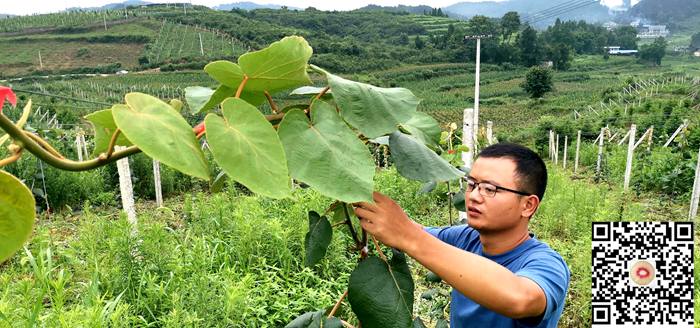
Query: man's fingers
x=363, y=213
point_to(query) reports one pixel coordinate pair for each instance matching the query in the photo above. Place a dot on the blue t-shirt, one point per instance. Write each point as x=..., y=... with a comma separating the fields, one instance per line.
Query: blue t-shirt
x=532, y=259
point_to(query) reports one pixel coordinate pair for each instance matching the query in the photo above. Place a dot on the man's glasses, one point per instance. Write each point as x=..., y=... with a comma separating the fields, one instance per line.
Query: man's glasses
x=487, y=189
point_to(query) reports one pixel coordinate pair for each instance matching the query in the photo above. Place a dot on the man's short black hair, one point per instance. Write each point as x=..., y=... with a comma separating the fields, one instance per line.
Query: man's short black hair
x=529, y=167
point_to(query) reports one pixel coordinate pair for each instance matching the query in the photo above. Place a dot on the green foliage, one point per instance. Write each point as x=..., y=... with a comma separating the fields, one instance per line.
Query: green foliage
x=16, y=215
x=653, y=53
x=317, y=239
x=316, y=319
x=538, y=82
x=104, y=127
x=248, y=149
x=695, y=42
x=417, y=162
x=529, y=47
x=561, y=56
x=381, y=293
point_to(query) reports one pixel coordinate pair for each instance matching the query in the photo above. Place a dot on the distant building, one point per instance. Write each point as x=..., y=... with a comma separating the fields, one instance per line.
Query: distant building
x=610, y=26
x=616, y=51
x=652, y=31
x=696, y=53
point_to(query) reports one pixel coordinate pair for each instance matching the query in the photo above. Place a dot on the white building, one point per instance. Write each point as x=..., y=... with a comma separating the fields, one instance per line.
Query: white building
x=652, y=31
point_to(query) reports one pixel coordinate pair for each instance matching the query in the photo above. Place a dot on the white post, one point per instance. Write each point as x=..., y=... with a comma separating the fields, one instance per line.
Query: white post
x=82, y=141
x=79, y=148
x=127, y=190
x=566, y=147
x=556, y=151
x=41, y=63
x=489, y=132
x=156, y=181
x=600, y=152
x=578, y=148
x=201, y=47
x=551, y=145
x=630, y=153
x=104, y=20
x=467, y=137
x=696, y=192
x=476, y=90
x=673, y=136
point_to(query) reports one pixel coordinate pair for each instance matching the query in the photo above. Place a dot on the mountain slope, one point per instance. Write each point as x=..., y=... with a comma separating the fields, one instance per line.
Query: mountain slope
x=591, y=13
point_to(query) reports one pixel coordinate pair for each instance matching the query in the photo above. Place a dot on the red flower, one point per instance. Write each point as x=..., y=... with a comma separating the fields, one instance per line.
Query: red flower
x=451, y=151
x=6, y=93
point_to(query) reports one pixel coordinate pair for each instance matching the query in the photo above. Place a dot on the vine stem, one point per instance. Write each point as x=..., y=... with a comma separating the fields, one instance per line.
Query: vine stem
x=352, y=229
x=241, y=86
x=13, y=158
x=113, y=142
x=44, y=144
x=379, y=250
x=28, y=143
x=337, y=304
x=322, y=93
x=273, y=106
x=347, y=325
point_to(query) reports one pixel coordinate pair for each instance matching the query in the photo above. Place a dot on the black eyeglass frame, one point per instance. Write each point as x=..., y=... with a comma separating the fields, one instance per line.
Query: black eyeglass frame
x=476, y=185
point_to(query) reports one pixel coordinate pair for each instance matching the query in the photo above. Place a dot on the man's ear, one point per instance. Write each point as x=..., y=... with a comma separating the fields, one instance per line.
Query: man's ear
x=530, y=206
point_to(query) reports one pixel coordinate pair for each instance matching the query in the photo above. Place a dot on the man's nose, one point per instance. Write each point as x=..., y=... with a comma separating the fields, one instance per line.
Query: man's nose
x=475, y=195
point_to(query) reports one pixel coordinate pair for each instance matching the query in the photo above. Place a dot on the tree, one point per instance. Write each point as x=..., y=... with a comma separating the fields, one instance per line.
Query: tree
x=510, y=23
x=561, y=55
x=420, y=44
x=538, y=81
x=695, y=42
x=529, y=48
x=654, y=52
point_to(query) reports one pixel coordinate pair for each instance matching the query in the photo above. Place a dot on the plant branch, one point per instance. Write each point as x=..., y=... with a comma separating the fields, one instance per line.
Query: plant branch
x=347, y=325
x=332, y=207
x=113, y=142
x=241, y=86
x=273, y=106
x=322, y=93
x=44, y=144
x=349, y=223
x=337, y=304
x=33, y=147
x=13, y=158
x=379, y=250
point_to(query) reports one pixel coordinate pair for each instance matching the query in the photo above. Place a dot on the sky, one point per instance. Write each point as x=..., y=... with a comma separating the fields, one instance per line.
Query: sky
x=26, y=7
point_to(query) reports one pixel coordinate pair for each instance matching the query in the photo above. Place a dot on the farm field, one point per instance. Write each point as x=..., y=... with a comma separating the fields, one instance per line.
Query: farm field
x=236, y=242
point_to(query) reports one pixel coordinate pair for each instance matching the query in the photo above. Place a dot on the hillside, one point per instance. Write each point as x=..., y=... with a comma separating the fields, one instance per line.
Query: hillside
x=551, y=9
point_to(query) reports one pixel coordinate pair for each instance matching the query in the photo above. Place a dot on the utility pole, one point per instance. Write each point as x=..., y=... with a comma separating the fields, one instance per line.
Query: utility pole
x=476, y=84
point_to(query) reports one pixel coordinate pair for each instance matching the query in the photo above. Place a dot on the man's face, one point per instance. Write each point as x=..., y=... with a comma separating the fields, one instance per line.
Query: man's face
x=502, y=211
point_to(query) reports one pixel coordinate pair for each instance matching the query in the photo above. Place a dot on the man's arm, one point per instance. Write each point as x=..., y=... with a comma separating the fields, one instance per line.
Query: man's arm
x=482, y=280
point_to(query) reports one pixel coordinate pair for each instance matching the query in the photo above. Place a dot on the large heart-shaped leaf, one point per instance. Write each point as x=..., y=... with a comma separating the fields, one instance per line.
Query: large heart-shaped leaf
x=280, y=66
x=104, y=126
x=326, y=154
x=317, y=239
x=248, y=149
x=16, y=214
x=161, y=133
x=316, y=319
x=417, y=162
x=197, y=97
x=424, y=128
x=372, y=110
x=381, y=294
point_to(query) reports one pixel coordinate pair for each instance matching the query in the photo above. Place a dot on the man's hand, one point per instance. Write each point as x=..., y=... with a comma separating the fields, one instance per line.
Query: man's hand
x=387, y=222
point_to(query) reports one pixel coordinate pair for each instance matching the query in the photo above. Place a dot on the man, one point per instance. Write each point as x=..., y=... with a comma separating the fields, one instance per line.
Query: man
x=501, y=275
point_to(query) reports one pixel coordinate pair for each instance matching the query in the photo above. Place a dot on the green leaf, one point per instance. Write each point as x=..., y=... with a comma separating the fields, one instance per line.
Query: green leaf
x=458, y=201
x=317, y=239
x=217, y=185
x=326, y=154
x=315, y=320
x=103, y=124
x=176, y=103
x=16, y=215
x=427, y=187
x=424, y=128
x=198, y=97
x=161, y=133
x=442, y=323
x=248, y=149
x=418, y=323
x=372, y=110
x=308, y=90
x=417, y=162
x=381, y=294
x=282, y=65
x=228, y=87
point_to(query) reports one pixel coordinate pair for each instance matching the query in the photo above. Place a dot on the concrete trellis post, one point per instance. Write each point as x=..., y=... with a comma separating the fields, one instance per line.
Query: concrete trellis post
x=156, y=181
x=127, y=190
x=696, y=192
x=556, y=151
x=551, y=145
x=630, y=154
x=467, y=137
x=489, y=132
x=578, y=148
x=566, y=148
x=599, y=161
x=79, y=147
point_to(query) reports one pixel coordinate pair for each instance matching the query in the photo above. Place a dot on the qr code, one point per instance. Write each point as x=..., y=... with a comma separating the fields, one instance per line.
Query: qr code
x=642, y=274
